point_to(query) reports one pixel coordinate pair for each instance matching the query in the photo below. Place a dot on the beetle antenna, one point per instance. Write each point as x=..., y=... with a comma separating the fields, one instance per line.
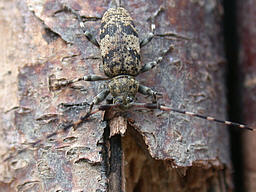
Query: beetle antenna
x=169, y=108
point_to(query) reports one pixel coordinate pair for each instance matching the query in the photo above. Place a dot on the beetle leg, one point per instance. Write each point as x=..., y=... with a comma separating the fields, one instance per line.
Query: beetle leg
x=99, y=98
x=68, y=105
x=56, y=84
x=152, y=34
x=87, y=34
x=148, y=91
x=152, y=64
x=145, y=41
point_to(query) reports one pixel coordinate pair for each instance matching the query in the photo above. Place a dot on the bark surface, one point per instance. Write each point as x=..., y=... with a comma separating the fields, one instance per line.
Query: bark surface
x=161, y=151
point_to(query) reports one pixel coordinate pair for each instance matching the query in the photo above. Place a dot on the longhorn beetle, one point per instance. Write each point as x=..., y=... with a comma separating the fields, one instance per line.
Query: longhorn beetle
x=120, y=50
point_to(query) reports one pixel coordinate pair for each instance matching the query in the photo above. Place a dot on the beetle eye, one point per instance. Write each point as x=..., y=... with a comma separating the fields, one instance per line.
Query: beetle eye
x=130, y=99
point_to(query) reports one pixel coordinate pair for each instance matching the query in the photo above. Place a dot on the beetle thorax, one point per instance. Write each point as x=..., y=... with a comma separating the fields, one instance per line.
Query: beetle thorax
x=123, y=88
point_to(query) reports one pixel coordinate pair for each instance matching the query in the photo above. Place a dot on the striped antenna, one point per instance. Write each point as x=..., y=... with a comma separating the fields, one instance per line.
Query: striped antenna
x=168, y=108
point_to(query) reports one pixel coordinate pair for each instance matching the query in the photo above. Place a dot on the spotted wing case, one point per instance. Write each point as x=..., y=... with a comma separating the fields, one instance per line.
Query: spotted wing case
x=119, y=44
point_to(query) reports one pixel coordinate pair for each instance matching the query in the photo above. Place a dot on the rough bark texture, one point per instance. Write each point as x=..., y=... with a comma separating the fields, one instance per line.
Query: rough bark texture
x=70, y=162
x=170, y=152
x=246, y=12
x=197, y=149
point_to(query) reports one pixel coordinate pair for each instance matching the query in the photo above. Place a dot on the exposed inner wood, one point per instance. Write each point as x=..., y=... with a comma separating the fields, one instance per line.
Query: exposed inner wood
x=143, y=173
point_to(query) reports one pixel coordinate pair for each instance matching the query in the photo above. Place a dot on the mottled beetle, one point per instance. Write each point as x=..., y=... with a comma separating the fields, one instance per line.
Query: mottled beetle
x=120, y=50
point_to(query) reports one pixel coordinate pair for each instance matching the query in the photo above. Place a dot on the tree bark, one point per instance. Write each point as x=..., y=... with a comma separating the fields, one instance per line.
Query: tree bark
x=173, y=152
x=41, y=38
x=159, y=151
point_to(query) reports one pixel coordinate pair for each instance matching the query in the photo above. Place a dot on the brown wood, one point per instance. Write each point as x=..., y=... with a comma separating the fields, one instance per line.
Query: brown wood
x=162, y=151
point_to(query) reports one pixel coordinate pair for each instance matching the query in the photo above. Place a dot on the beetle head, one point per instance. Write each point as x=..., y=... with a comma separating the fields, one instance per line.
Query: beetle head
x=123, y=88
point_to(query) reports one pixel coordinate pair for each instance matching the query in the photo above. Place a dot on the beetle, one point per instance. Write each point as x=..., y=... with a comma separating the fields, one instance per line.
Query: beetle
x=120, y=50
